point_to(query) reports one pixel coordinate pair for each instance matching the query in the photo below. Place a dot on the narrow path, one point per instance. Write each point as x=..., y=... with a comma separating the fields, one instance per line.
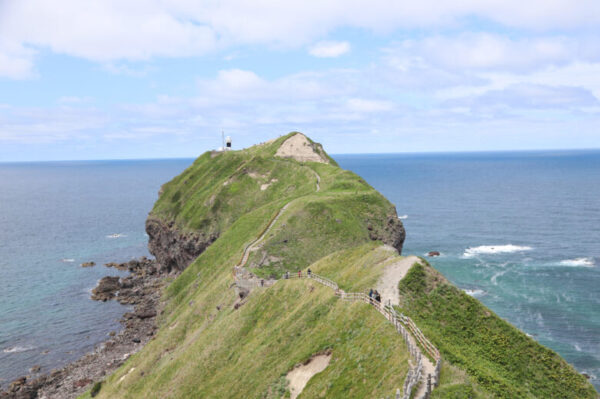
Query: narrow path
x=388, y=287
x=318, y=181
x=422, y=367
x=255, y=243
x=392, y=274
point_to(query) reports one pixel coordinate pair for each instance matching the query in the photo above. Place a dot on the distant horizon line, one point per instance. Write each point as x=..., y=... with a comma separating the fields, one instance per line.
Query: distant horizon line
x=333, y=155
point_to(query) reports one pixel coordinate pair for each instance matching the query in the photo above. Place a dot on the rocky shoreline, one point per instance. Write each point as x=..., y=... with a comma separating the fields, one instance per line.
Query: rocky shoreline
x=142, y=288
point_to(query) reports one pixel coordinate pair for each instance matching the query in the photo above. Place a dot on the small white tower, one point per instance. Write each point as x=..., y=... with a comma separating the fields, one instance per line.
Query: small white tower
x=227, y=143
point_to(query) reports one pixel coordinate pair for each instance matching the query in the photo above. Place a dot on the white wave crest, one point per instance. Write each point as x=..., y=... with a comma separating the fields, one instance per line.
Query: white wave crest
x=67, y=260
x=577, y=262
x=494, y=249
x=402, y=217
x=116, y=235
x=17, y=349
x=475, y=292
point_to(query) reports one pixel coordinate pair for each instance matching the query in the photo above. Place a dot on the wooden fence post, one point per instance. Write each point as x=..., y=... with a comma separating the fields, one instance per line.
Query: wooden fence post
x=428, y=384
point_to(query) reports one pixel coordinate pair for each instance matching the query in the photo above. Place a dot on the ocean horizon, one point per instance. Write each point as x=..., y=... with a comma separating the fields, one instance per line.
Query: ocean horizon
x=518, y=230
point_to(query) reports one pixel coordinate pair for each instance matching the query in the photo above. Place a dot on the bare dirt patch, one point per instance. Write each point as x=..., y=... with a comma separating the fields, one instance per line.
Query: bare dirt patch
x=392, y=274
x=263, y=187
x=300, y=375
x=301, y=149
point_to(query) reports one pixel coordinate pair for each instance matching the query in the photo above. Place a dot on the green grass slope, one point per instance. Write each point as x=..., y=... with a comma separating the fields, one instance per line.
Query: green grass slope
x=213, y=344
x=209, y=347
x=500, y=358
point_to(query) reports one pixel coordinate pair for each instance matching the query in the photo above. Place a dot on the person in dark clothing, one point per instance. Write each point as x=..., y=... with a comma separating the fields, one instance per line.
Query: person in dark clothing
x=377, y=296
x=371, y=293
x=309, y=273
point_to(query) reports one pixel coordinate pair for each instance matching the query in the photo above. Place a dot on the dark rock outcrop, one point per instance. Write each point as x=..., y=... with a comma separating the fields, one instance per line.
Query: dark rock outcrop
x=390, y=233
x=106, y=289
x=142, y=288
x=433, y=253
x=174, y=250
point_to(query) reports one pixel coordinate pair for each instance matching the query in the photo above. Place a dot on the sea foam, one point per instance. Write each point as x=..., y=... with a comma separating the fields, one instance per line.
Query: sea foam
x=475, y=292
x=402, y=217
x=17, y=349
x=494, y=249
x=578, y=262
x=116, y=235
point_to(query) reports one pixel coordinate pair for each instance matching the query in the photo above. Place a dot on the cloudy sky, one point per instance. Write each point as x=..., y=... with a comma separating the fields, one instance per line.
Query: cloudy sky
x=106, y=79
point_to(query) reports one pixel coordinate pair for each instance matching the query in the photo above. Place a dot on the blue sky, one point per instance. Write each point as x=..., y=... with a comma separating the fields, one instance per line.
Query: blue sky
x=152, y=79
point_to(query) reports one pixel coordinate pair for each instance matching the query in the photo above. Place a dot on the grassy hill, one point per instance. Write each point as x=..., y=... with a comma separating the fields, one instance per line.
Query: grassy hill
x=213, y=343
x=502, y=359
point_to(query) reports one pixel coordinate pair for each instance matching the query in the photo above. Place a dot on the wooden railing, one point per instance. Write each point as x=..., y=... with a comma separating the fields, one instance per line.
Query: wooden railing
x=403, y=325
x=412, y=335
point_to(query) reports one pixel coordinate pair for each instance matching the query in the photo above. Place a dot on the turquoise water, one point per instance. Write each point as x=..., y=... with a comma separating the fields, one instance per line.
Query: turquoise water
x=53, y=217
x=520, y=231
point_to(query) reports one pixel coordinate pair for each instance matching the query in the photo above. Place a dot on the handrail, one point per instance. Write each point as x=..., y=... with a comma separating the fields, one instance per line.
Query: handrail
x=403, y=323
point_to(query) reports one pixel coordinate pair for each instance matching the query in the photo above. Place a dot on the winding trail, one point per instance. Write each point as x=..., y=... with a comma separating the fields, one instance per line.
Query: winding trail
x=392, y=274
x=256, y=242
x=388, y=287
x=318, y=180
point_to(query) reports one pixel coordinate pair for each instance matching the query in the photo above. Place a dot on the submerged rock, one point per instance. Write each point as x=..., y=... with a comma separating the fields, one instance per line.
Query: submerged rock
x=106, y=289
x=88, y=264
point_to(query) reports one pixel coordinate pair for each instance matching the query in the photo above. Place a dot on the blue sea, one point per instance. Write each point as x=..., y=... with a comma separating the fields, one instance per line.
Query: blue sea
x=520, y=231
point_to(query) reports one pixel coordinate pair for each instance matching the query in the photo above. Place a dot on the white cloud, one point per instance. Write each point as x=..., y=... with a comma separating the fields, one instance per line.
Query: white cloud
x=112, y=30
x=329, y=49
x=47, y=125
x=485, y=51
x=532, y=96
x=234, y=85
x=104, y=30
x=16, y=61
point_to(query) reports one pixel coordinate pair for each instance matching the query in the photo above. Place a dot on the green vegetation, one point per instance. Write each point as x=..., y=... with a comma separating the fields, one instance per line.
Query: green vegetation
x=208, y=348
x=244, y=353
x=95, y=389
x=502, y=359
x=213, y=344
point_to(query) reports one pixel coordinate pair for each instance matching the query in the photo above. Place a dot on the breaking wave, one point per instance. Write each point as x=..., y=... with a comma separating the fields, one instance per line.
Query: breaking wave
x=402, y=217
x=17, y=349
x=475, y=292
x=494, y=249
x=116, y=235
x=67, y=260
x=578, y=262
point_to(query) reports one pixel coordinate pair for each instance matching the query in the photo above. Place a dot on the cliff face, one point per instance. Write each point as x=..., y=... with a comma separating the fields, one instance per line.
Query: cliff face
x=175, y=250
x=300, y=211
x=391, y=232
x=205, y=200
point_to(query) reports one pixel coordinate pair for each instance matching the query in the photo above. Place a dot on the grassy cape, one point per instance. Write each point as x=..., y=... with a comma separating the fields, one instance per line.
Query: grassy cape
x=209, y=347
